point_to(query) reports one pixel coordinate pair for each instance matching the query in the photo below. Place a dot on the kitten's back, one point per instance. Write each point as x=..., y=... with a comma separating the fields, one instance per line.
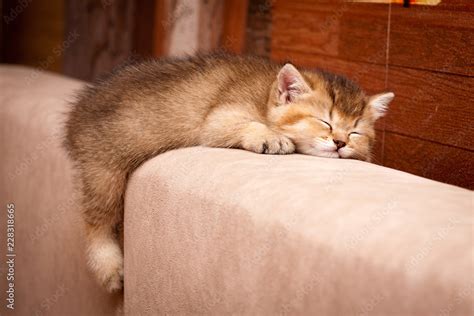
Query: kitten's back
x=166, y=100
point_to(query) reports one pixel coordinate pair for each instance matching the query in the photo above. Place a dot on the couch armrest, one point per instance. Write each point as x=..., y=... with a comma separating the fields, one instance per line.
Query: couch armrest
x=217, y=231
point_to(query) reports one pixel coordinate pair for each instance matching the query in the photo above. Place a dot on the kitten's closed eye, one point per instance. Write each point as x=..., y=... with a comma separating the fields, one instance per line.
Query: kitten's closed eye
x=355, y=134
x=326, y=124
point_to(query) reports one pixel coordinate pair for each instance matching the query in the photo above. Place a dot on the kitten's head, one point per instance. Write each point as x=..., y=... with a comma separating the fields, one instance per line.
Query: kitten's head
x=325, y=115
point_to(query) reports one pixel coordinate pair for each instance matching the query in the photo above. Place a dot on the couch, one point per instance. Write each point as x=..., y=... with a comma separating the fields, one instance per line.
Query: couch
x=222, y=231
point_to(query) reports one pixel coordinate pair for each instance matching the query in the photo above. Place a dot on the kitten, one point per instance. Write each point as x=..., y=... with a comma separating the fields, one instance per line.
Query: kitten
x=218, y=101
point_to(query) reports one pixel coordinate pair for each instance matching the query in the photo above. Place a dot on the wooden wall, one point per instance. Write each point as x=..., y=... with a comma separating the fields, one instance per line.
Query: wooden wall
x=87, y=38
x=424, y=54
x=104, y=38
x=258, y=28
x=186, y=27
x=33, y=33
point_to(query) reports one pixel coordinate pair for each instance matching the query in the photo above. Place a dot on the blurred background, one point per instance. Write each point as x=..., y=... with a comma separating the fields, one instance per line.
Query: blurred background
x=421, y=50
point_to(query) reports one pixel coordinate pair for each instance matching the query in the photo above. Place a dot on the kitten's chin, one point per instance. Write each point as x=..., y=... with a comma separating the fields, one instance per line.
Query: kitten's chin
x=346, y=153
x=327, y=154
x=349, y=153
x=343, y=153
x=319, y=153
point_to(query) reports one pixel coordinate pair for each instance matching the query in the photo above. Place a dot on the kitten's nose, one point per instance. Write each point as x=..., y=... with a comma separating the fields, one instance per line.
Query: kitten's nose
x=339, y=143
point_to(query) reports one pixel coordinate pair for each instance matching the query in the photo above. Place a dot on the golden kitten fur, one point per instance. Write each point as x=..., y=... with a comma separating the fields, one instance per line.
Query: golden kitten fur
x=146, y=109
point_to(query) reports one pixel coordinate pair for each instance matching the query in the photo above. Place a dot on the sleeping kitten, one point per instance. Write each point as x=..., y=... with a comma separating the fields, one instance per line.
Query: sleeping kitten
x=218, y=101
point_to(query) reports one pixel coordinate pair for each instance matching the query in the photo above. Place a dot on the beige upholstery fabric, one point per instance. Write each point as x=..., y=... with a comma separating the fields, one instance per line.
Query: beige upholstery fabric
x=214, y=231
x=50, y=270
x=219, y=231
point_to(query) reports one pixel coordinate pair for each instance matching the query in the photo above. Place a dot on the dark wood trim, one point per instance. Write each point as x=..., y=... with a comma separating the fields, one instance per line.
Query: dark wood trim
x=144, y=27
x=161, y=29
x=235, y=21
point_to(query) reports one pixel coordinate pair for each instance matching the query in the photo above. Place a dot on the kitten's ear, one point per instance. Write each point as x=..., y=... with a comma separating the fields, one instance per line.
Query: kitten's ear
x=379, y=103
x=291, y=84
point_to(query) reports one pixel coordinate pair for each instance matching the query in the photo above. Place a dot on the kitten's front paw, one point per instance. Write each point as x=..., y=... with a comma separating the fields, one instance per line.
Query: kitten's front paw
x=265, y=141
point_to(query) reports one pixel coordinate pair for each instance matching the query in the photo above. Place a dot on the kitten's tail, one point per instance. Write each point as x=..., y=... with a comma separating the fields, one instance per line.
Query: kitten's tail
x=103, y=190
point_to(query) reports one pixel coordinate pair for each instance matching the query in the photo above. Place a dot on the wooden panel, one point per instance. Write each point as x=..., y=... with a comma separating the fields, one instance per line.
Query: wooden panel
x=185, y=27
x=259, y=28
x=434, y=161
x=144, y=26
x=3, y=41
x=34, y=33
x=353, y=32
x=162, y=22
x=432, y=106
x=210, y=25
x=105, y=38
x=235, y=20
x=437, y=38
